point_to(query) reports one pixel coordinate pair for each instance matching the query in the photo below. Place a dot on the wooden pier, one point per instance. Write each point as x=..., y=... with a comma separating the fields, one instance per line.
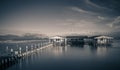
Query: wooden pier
x=9, y=60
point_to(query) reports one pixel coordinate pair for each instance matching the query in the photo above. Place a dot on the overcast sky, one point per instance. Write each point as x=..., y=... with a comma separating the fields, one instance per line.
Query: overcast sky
x=53, y=17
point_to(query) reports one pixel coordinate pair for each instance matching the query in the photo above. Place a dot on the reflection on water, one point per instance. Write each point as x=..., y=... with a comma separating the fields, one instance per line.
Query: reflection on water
x=59, y=50
x=85, y=57
x=99, y=50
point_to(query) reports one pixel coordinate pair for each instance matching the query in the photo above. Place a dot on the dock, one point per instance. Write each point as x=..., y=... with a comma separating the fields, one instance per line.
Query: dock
x=15, y=56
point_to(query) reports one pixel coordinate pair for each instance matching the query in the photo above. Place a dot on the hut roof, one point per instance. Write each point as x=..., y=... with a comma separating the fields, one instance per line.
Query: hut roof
x=57, y=37
x=107, y=37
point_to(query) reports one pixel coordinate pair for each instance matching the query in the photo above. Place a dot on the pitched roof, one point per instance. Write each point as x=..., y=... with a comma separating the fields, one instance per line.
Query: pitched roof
x=103, y=37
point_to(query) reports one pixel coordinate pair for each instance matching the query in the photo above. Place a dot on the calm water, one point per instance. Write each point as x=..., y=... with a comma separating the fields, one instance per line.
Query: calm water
x=72, y=58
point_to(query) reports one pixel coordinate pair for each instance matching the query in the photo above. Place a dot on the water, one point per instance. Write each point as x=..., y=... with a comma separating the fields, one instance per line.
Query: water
x=84, y=57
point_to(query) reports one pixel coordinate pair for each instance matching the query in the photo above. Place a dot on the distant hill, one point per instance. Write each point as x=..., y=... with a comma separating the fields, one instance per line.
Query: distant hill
x=26, y=36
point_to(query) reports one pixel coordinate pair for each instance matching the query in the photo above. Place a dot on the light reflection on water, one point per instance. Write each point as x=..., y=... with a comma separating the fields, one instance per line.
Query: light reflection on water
x=84, y=57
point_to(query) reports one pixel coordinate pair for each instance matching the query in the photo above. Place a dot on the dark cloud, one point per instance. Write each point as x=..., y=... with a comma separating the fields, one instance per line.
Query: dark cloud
x=111, y=4
x=62, y=15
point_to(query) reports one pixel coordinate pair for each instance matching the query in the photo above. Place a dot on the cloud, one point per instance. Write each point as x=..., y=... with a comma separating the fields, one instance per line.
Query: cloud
x=95, y=5
x=80, y=10
x=101, y=18
x=115, y=23
x=77, y=23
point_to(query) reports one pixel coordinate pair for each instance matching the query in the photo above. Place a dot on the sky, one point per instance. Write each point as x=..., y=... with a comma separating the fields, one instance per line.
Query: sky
x=59, y=17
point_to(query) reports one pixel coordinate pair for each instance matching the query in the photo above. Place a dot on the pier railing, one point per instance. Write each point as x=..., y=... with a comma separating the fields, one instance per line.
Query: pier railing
x=12, y=55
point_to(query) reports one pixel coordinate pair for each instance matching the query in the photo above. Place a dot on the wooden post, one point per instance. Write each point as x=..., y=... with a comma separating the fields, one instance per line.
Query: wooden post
x=11, y=51
x=26, y=48
x=20, y=50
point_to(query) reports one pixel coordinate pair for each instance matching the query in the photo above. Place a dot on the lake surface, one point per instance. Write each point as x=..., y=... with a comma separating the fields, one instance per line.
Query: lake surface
x=84, y=57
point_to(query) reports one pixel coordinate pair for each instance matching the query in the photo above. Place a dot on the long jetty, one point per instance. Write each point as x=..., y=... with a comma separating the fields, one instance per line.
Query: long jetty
x=9, y=60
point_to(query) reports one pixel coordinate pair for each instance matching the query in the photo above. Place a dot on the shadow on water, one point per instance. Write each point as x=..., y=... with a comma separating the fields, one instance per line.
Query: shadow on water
x=77, y=45
x=90, y=45
x=98, y=49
